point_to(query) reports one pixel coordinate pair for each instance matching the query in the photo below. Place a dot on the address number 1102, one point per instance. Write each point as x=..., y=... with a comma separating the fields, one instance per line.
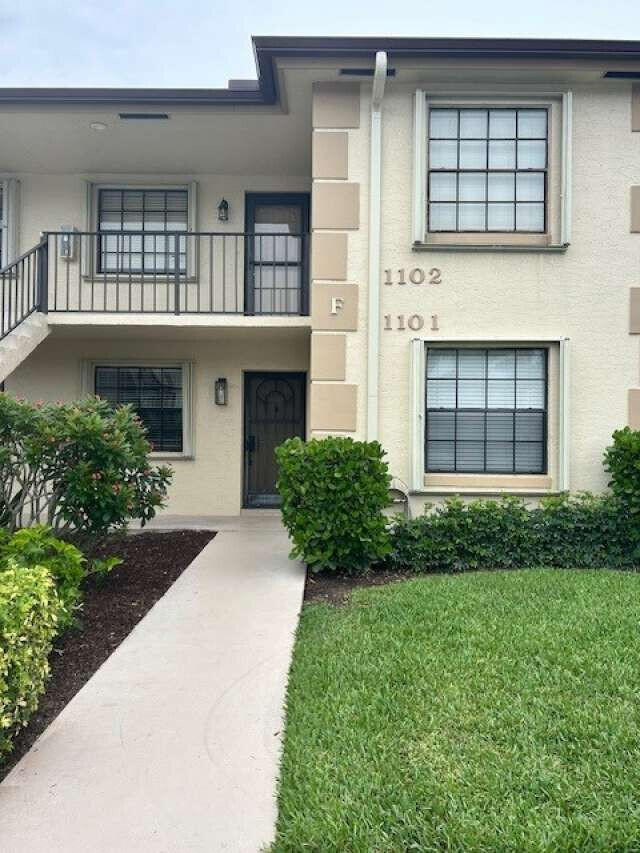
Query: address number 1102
x=417, y=275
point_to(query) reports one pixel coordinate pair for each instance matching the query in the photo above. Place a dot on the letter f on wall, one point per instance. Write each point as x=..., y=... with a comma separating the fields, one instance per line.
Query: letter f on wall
x=337, y=304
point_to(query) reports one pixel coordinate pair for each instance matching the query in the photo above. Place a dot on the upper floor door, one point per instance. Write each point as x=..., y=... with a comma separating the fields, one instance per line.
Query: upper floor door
x=277, y=276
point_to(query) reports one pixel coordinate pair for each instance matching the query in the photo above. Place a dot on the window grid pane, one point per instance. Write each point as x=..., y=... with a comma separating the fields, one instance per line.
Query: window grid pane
x=489, y=166
x=156, y=396
x=486, y=410
x=153, y=210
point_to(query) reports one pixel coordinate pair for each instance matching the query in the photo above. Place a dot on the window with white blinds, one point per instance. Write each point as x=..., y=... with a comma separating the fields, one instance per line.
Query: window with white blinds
x=486, y=410
x=487, y=170
x=129, y=213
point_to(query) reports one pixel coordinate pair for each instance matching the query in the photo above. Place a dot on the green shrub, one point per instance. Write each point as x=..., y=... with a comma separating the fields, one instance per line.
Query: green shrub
x=622, y=461
x=567, y=531
x=333, y=492
x=79, y=465
x=29, y=615
x=36, y=546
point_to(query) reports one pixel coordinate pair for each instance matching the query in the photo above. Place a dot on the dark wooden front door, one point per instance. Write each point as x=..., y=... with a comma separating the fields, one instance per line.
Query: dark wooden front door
x=274, y=410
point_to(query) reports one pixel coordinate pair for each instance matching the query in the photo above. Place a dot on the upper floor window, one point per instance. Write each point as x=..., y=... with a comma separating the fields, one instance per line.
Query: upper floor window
x=487, y=170
x=157, y=211
x=492, y=171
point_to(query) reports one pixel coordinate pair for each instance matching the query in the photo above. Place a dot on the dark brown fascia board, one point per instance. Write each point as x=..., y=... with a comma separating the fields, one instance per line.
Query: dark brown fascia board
x=269, y=48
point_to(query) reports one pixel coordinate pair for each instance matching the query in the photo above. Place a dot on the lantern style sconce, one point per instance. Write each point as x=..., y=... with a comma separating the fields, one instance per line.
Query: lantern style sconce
x=220, y=392
x=223, y=211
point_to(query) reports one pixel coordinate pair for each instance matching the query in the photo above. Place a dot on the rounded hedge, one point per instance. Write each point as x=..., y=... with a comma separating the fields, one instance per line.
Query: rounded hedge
x=333, y=494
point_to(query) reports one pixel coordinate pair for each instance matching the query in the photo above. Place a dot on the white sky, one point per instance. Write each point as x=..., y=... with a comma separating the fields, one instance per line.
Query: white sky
x=203, y=43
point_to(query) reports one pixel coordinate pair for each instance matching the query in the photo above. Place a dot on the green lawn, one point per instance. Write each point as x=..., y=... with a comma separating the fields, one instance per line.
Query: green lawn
x=481, y=712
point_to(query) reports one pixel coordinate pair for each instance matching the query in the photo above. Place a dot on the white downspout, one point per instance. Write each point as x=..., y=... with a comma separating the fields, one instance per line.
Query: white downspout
x=375, y=172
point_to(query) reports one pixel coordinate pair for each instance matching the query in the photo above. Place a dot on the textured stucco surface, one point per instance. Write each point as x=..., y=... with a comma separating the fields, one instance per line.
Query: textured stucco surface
x=582, y=294
x=211, y=482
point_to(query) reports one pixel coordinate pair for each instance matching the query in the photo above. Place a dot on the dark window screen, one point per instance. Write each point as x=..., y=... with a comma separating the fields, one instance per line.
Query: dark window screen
x=156, y=395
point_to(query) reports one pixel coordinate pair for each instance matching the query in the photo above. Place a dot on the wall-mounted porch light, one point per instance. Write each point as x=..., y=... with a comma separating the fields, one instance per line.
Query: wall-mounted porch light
x=220, y=392
x=223, y=210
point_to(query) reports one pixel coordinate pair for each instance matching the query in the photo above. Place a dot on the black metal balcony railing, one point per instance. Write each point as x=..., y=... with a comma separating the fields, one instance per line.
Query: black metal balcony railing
x=22, y=285
x=181, y=273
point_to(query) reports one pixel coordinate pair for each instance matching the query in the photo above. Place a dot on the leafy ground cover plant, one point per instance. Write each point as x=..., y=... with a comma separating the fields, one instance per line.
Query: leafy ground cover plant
x=30, y=614
x=333, y=493
x=82, y=466
x=565, y=531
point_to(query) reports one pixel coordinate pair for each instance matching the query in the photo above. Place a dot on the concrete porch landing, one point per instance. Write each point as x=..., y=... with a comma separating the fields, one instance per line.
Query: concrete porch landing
x=173, y=745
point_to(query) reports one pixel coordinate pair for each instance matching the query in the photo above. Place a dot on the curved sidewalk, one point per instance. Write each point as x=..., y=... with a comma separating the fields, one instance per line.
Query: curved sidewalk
x=173, y=744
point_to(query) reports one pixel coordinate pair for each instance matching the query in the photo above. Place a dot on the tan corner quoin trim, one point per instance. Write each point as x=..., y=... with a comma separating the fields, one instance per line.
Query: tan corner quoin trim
x=487, y=481
x=634, y=408
x=336, y=206
x=334, y=407
x=634, y=310
x=635, y=210
x=336, y=105
x=330, y=155
x=328, y=356
x=635, y=106
x=334, y=307
x=329, y=256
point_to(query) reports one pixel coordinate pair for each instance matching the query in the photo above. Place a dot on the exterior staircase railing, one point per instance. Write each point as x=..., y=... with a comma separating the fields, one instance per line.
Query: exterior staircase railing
x=23, y=287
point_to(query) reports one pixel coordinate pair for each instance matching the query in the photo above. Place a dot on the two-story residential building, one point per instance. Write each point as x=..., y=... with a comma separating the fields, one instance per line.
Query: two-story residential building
x=430, y=242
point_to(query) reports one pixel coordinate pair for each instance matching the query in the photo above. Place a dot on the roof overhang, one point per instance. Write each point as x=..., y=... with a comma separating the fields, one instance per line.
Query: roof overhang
x=269, y=49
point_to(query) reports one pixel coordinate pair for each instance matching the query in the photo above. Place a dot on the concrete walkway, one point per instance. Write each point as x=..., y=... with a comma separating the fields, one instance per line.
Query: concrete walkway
x=173, y=745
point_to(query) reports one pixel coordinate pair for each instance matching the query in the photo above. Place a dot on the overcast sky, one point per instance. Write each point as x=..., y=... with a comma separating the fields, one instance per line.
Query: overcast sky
x=203, y=43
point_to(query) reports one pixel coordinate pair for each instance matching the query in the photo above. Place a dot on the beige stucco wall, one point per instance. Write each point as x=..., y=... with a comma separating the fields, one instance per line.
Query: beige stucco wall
x=211, y=482
x=582, y=294
x=47, y=202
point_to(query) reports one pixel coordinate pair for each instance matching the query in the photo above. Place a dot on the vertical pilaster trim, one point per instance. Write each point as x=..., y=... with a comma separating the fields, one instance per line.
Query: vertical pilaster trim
x=416, y=409
x=566, y=205
x=419, y=165
x=564, y=386
x=375, y=175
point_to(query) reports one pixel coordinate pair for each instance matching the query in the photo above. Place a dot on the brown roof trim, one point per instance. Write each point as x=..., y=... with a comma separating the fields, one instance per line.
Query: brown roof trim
x=268, y=48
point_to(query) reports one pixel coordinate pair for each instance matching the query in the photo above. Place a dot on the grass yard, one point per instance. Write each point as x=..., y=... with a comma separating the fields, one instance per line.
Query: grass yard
x=480, y=712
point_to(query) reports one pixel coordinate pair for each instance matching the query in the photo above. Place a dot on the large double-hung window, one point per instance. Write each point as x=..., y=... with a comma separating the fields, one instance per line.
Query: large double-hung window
x=487, y=170
x=486, y=410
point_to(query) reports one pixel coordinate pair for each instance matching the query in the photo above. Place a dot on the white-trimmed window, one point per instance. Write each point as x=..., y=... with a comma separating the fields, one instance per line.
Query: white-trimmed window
x=489, y=415
x=492, y=170
x=8, y=220
x=486, y=410
x=159, y=392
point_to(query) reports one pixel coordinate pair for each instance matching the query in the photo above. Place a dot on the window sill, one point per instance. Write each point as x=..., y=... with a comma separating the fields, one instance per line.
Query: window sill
x=171, y=457
x=489, y=247
x=539, y=482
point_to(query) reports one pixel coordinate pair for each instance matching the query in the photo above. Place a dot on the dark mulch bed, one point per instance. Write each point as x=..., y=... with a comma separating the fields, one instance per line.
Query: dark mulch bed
x=112, y=607
x=336, y=588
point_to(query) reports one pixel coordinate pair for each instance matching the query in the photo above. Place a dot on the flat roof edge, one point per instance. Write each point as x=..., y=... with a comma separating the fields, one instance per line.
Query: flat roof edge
x=263, y=91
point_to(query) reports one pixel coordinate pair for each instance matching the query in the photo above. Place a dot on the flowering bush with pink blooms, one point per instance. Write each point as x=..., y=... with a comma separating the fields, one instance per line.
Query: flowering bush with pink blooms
x=76, y=466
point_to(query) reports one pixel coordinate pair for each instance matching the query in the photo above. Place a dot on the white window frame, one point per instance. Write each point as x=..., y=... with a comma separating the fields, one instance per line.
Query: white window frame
x=88, y=388
x=9, y=220
x=420, y=236
x=91, y=220
x=417, y=402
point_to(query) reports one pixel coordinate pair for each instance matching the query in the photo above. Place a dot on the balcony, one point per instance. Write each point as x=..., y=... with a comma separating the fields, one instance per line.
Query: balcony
x=172, y=273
